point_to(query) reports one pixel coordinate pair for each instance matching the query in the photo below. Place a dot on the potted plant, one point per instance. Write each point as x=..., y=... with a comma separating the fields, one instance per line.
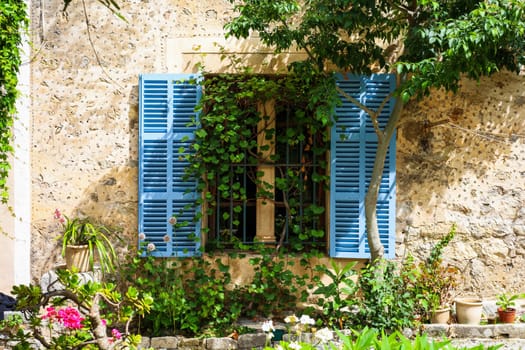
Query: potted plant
x=507, y=307
x=83, y=241
x=443, y=284
x=434, y=283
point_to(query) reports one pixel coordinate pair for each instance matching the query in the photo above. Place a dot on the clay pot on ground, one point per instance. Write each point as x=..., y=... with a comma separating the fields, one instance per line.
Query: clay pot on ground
x=441, y=315
x=507, y=316
x=468, y=310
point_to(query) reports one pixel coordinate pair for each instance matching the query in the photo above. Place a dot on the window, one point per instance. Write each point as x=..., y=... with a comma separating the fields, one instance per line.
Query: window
x=167, y=107
x=280, y=193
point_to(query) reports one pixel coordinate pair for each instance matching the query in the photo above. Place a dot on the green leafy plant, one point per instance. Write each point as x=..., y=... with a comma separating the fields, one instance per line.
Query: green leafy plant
x=227, y=152
x=14, y=23
x=78, y=316
x=275, y=288
x=433, y=282
x=95, y=236
x=373, y=339
x=339, y=296
x=191, y=296
x=508, y=301
x=385, y=301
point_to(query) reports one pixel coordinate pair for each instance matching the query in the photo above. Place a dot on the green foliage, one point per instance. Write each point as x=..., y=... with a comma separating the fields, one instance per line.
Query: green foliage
x=372, y=339
x=506, y=301
x=274, y=288
x=197, y=296
x=96, y=236
x=338, y=295
x=89, y=309
x=441, y=40
x=474, y=38
x=385, y=302
x=190, y=297
x=13, y=25
x=226, y=144
x=432, y=281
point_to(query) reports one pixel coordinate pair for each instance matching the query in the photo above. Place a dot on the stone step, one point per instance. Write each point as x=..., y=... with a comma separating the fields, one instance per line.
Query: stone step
x=491, y=331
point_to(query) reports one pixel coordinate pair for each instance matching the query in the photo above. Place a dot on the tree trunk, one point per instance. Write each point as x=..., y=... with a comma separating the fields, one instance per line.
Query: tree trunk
x=374, y=242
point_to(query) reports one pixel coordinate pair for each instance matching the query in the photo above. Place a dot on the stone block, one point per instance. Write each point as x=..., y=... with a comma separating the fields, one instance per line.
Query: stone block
x=145, y=343
x=191, y=344
x=471, y=331
x=251, y=340
x=220, y=344
x=165, y=343
x=436, y=330
x=514, y=330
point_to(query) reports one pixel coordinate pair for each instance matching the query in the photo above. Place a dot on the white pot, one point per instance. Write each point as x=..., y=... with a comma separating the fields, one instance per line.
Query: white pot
x=468, y=310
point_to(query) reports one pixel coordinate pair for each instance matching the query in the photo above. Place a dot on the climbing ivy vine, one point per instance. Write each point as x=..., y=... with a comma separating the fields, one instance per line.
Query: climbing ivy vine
x=13, y=24
x=226, y=142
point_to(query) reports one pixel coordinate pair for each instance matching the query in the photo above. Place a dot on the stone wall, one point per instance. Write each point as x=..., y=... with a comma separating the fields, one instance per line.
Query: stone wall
x=460, y=158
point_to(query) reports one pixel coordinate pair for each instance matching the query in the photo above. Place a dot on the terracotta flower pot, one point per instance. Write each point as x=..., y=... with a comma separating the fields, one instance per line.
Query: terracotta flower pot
x=441, y=316
x=468, y=310
x=507, y=316
x=77, y=256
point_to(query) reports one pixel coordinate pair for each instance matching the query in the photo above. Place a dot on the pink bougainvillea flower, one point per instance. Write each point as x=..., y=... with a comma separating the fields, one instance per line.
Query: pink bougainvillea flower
x=116, y=334
x=70, y=318
x=51, y=314
x=104, y=322
x=172, y=220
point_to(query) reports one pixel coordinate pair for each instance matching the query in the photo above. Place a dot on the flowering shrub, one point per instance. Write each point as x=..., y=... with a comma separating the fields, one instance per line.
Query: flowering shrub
x=77, y=316
x=69, y=317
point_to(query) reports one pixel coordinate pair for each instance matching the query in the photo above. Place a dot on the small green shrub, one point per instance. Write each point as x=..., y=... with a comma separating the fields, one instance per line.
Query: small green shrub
x=190, y=296
x=338, y=296
x=274, y=288
x=385, y=301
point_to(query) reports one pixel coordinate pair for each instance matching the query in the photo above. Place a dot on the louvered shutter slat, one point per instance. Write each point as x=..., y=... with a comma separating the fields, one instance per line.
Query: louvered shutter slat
x=353, y=151
x=166, y=108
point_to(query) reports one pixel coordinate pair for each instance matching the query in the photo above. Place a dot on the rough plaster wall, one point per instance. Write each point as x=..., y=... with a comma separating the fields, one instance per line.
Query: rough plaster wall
x=460, y=159
x=85, y=131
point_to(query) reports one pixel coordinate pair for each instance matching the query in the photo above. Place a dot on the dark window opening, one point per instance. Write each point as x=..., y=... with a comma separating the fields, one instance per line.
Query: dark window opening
x=299, y=216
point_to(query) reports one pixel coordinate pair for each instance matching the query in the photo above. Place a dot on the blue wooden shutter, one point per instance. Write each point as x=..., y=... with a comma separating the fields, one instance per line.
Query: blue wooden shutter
x=166, y=107
x=353, y=149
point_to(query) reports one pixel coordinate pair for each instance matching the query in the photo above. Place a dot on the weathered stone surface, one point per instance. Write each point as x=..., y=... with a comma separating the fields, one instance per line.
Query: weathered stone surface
x=466, y=331
x=251, y=340
x=191, y=343
x=165, y=343
x=145, y=343
x=515, y=330
x=220, y=344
